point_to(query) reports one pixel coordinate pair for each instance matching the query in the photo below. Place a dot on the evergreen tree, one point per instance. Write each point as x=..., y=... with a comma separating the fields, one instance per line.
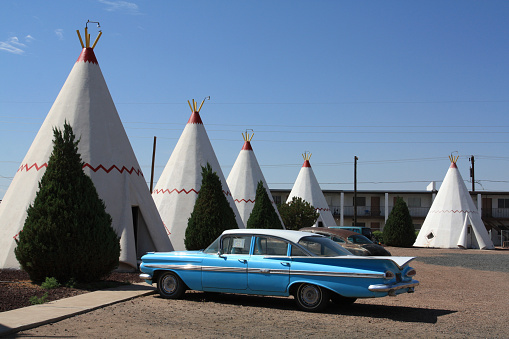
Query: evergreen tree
x=297, y=214
x=212, y=214
x=67, y=234
x=399, y=230
x=263, y=215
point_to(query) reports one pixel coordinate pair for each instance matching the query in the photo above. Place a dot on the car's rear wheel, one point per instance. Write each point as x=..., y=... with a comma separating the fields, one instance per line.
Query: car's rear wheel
x=342, y=301
x=170, y=286
x=312, y=298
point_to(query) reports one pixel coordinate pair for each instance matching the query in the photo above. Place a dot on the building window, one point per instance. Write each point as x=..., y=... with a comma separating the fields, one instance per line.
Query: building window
x=503, y=203
x=414, y=202
x=361, y=201
x=277, y=199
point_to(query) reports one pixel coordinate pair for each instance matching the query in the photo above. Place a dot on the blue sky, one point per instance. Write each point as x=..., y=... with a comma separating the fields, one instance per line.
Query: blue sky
x=399, y=84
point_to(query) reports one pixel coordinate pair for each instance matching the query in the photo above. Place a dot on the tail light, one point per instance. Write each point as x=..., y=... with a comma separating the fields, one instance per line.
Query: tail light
x=411, y=273
x=388, y=275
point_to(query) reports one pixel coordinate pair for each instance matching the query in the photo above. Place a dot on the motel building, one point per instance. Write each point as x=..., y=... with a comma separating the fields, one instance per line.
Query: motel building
x=373, y=208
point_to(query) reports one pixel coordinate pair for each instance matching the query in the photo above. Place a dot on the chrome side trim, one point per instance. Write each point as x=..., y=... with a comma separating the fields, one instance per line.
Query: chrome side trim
x=188, y=267
x=224, y=269
x=268, y=271
x=339, y=274
x=394, y=287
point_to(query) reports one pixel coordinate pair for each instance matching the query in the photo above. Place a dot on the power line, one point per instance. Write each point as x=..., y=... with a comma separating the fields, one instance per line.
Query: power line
x=360, y=102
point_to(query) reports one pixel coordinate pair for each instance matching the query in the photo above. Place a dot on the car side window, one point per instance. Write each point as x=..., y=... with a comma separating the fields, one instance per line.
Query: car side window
x=270, y=246
x=337, y=239
x=236, y=244
x=297, y=252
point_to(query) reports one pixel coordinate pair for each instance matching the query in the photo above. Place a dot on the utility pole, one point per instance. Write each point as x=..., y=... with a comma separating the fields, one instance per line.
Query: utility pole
x=153, y=161
x=355, y=191
x=472, y=173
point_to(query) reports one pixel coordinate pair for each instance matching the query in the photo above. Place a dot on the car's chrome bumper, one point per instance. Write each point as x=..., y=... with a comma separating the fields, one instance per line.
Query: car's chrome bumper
x=145, y=276
x=394, y=287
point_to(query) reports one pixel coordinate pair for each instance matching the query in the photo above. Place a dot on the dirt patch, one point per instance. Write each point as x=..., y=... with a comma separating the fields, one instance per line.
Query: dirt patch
x=16, y=289
x=451, y=302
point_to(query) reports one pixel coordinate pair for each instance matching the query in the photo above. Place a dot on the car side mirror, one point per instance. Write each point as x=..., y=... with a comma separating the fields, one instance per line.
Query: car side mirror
x=220, y=253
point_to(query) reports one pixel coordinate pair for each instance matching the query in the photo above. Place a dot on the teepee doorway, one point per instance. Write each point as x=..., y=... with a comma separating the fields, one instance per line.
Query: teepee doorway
x=142, y=240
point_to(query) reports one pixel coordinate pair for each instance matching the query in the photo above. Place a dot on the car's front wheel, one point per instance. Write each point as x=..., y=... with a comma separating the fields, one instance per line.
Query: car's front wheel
x=170, y=286
x=312, y=298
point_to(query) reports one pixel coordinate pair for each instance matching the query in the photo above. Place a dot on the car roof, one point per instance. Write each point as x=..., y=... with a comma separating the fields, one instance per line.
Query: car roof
x=336, y=231
x=293, y=236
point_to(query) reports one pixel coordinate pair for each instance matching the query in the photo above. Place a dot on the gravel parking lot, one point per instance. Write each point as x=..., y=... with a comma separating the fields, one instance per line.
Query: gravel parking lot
x=463, y=293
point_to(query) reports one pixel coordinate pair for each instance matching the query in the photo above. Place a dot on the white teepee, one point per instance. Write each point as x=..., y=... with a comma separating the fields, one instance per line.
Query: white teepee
x=306, y=187
x=177, y=189
x=86, y=104
x=243, y=181
x=453, y=220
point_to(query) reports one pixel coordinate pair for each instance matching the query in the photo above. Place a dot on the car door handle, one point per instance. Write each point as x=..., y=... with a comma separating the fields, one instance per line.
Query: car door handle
x=242, y=261
x=284, y=263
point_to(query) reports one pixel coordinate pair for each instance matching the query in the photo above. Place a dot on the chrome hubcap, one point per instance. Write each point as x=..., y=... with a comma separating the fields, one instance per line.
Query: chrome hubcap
x=310, y=295
x=169, y=284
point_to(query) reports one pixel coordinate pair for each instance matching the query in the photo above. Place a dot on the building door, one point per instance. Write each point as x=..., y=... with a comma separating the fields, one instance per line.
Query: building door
x=375, y=206
x=487, y=208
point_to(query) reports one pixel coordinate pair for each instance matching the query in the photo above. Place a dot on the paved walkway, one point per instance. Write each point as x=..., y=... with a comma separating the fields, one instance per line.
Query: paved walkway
x=37, y=315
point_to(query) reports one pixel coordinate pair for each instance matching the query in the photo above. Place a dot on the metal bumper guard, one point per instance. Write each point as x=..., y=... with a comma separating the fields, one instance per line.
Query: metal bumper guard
x=392, y=288
x=145, y=276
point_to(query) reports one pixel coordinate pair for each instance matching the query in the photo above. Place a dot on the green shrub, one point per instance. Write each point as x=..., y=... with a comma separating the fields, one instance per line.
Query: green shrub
x=297, y=214
x=50, y=283
x=263, y=215
x=399, y=230
x=212, y=214
x=35, y=300
x=72, y=283
x=67, y=233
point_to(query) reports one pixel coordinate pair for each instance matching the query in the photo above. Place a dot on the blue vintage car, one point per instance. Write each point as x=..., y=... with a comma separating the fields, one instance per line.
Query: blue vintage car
x=311, y=267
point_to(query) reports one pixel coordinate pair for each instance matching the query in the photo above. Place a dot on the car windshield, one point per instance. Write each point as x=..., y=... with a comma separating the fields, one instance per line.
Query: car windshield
x=213, y=248
x=359, y=239
x=322, y=247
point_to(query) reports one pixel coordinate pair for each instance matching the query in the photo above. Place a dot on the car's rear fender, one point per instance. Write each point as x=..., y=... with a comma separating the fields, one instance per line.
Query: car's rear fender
x=353, y=287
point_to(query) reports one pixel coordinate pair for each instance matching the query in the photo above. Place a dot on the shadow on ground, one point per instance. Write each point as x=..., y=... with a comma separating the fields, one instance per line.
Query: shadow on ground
x=358, y=309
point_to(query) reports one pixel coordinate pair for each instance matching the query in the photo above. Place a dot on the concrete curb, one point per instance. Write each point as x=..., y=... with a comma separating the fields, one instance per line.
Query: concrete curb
x=37, y=315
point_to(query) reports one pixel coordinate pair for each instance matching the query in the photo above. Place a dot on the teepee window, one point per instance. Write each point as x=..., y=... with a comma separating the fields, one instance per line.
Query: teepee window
x=430, y=235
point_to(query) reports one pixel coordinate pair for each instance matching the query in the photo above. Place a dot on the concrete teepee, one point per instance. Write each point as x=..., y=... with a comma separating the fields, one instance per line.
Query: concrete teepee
x=306, y=187
x=244, y=178
x=453, y=220
x=86, y=104
x=177, y=189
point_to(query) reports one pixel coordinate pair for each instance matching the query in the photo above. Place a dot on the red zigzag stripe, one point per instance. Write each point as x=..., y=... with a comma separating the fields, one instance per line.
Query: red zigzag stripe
x=163, y=191
x=453, y=211
x=138, y=172
x=249, y=200
x=37, y=168
x=244, y=200
x=323, y=209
